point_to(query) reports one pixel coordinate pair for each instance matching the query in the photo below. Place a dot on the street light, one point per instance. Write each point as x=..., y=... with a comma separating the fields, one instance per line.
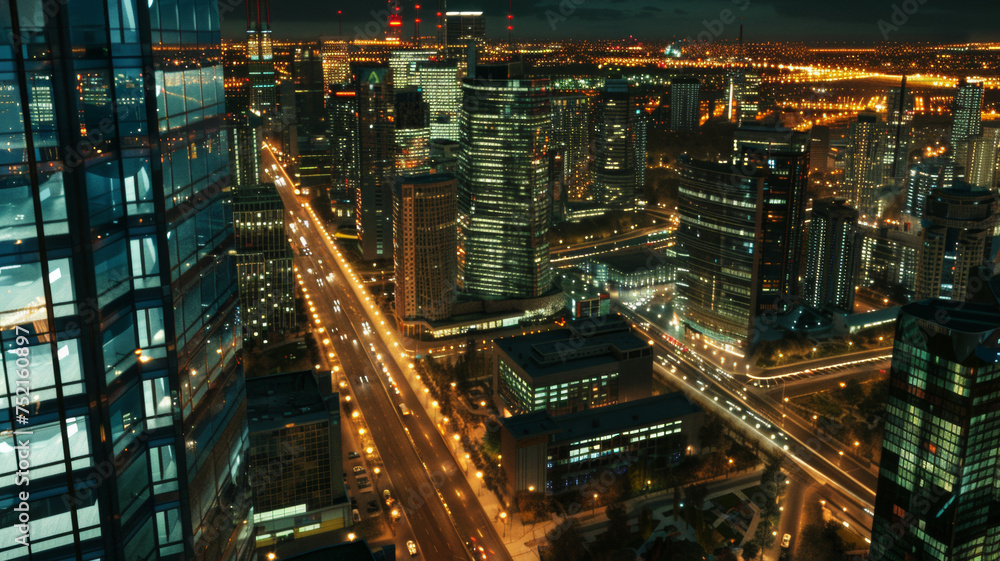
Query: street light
x=503, y=520
x=479, y=476
x=351, y=536
x=595, y=504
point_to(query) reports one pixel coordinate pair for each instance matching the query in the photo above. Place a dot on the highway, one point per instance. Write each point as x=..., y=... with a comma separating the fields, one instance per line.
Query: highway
x=439, y=503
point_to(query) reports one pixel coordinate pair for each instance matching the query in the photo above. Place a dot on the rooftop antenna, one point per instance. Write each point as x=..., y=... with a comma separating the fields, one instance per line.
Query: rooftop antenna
x=510, y=24
x=340, y=23
x=416, y=24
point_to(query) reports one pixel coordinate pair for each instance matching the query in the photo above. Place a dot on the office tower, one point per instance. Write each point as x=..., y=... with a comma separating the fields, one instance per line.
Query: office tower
x=424, y=244
x=310, y=91
x=260, y=68
x=461, y=28
x=313, y=168
x=412, y=133
x=924, y=176
x=336, y=60
x=742, y=96
x=119, y=288
x=936, y=494
x=342, y=108
x=980, y=165
x=720, y=217
x=864, y=169
x=571, y=136
x=685, y=112
x=263, y=262
x=244, y=137
x=505, y=192
x=440, y=82
x=444, y=156
x=376, y=161
x=957, y=236
x=783, y=155
x=832, y=255
x=898, y=133
x=819, y=149
x=296, y=460
x=237, y=79
x=616, y=167
x=889, y=260
x=406, y=63
x=967, y=117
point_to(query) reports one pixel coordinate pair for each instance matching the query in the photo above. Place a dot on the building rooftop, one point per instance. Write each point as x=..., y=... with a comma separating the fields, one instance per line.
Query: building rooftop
x=348, y=551
x=279, y=399
x=530, y=425
x=643, y=260
x=583, y=343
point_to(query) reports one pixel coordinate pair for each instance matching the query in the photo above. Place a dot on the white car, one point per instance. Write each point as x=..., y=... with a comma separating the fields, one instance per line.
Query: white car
x=411, y=547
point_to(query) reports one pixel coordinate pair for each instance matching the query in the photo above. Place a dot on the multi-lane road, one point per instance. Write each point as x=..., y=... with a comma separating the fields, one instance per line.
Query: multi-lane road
x=440, y=505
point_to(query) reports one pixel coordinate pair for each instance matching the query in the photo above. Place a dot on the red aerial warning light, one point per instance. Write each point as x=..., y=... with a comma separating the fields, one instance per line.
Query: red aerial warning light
x=395, y=23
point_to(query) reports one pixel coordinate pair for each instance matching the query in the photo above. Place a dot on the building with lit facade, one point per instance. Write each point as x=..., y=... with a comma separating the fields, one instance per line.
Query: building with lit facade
x=440, y=83
x=412, y=132
x=980, y=165
x=309, y=91
x=967, y=117
x=742, y=91
x=243, y=138
x=585, y=296
x=260, y=66
x=376, y=141
x=864, y=168
x=898, y=133
x=405, y=65
x=462, y=28
x=295, y=458
x=936, y=494
x=424, y=237
x=927, y=174
x=618, y=158
x=263, y=262
x=889, y=258
x=571, y=134
x=956, y=238
x=336, y=60
x=118, y=285
x=342, y=132
x=685, y=108
x=833, y=252
x=504, y=198
x=590, y=363
x=819, y=148
x=443, y=156
x=540, y=451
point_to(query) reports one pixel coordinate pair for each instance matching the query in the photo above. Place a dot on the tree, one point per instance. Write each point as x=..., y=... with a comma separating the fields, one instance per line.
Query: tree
x=618, y=532
x=646, y=523
x=568, y=544
x=710, y=435
x=750, y=550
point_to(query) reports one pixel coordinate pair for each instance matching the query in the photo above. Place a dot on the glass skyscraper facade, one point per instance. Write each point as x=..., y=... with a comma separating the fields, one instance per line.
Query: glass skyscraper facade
x=937, y=488
x=832, y=255
x=118, y=285
x=505, y=187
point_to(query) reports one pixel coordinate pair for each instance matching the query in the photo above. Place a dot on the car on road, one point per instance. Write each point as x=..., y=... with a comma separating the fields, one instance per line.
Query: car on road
x=359, y=470
x=404, y=409
x=411, y=547
x=356, y=515
x=353, y=455
x=786, y=541
x=372, y=506
x=363, y=483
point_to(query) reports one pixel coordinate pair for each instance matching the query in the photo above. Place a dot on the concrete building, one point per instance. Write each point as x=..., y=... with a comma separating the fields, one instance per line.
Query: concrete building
x=552, y=453
x=685, y=108
x=833, y=253
x=591, y=363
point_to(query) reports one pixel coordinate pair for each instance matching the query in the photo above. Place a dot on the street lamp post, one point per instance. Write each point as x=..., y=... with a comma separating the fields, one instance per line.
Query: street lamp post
x=594, y=512
x=479, y=476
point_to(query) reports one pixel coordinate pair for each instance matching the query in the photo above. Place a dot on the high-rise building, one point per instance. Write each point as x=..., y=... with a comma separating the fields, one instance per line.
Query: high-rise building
x=412, y=133
x=444, y=156
x=685, y=109
x=718, y=270
x=440, y=82
x=615, y=170
x=864, y=168
x=571, y=137
x=898, y=133
x=243, y=136
x=260, y=68
x=342, y=120
x=833, y=252
x=783, y=155
x=980, y=165
x=936, y=495
x=819, y=148
x=310, y=91
x=742, y=96
x=405, y=65
x=376, y=140
x=461, y=28
x=118, y=287
x=424, y=252
x=924, y=176
x=967, y=117
x=889, y=258
x=336, y=60
x=957, y=236
x=505, y=191
x=263, y=262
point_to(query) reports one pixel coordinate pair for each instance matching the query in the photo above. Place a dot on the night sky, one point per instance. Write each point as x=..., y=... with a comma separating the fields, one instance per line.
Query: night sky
x=808, y=20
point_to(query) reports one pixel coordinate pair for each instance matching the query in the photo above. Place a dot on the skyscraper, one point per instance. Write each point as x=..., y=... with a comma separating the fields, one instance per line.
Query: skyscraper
x=924, y=176
x=505, y=191
x=405, y=64
x=832, y=255
x=717, y=278
x=461, y=28
x=440, y=82
x=742, y=96
x=980, y=165
x=615, y=167
x=424, y=238
x=936, y=494
x=243, y=137
x=967, y=117
x=376, y=161
x=342, y=122
x=263, y=262
x=263, y=86
x=957, y=235
x=864, y=168
x=571, y=137
x=685, y=112
x=119, y=287
x=783, y=155
x=819, y=148
x=336, y=60
x=898, y=133
x=412, y=133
